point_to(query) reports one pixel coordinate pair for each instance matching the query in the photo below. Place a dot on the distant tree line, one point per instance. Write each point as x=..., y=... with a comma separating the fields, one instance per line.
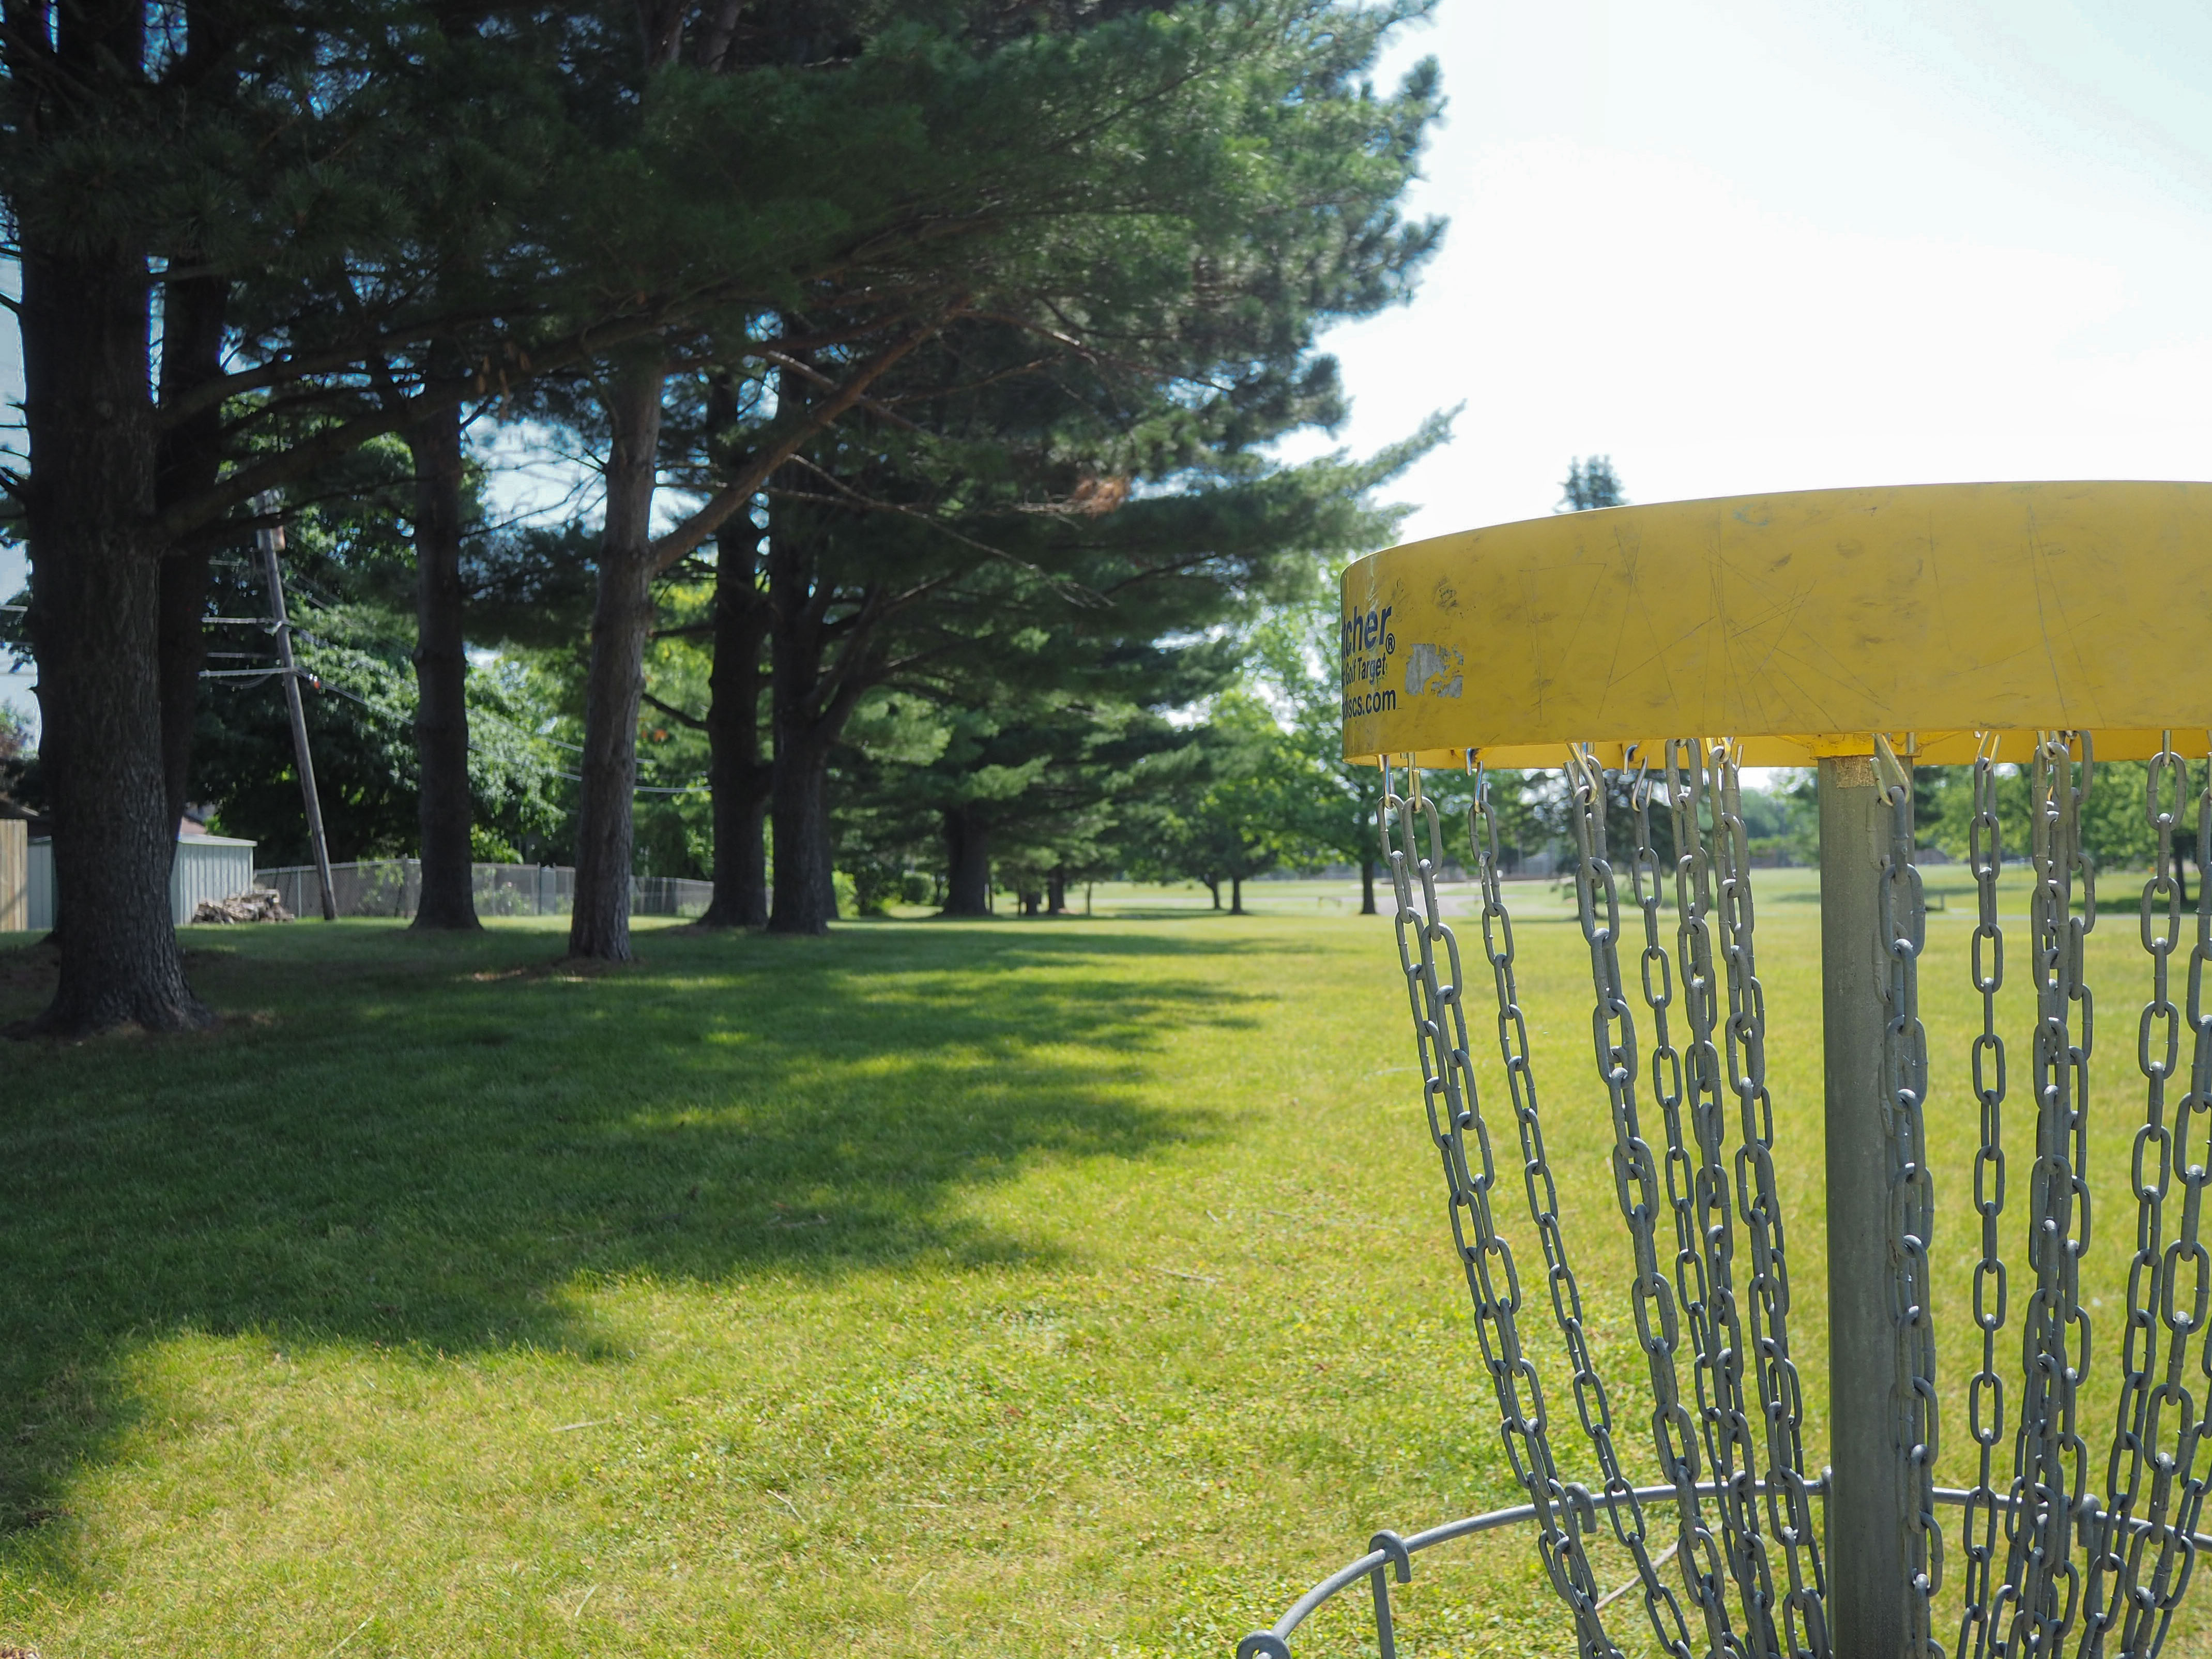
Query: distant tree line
x=931, y=357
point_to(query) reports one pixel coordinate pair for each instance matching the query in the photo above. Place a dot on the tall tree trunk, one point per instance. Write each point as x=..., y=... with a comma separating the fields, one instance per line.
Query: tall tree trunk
x=967, y=863
x=1367, y=887
x=825, y=849
x=1235, y=896
x=192, y=314
x=443, y=807
x=622, y=619
x=798, y=812
x=805, y=898
x=739, y=778
x=95, y=628
x=1055, y=893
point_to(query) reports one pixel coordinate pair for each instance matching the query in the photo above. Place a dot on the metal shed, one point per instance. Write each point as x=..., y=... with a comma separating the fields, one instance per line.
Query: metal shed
x=213, y=867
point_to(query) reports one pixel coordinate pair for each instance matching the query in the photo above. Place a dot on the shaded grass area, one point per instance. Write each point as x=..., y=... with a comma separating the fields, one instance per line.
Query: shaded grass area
x=1006, y=1288
x=982, y=1288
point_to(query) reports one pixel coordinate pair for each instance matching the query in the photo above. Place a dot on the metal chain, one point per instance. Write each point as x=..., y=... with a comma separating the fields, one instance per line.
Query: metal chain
x=1725, y=1421
x=1564, y=1513
x=2040, y=1601
x=2168, y=1287
x=1977, y=1533
x=1759, y=1199
x=2112, y=1569
x=1703, y=1573
x=1911, y=1201
x=1635, y=1181
x=2192, y=1140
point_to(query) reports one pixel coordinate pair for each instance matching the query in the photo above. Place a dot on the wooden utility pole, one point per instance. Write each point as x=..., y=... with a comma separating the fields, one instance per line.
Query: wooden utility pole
x=271, y=540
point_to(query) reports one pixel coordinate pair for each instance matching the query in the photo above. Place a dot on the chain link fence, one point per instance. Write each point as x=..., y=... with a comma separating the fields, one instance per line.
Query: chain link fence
x=392, y=887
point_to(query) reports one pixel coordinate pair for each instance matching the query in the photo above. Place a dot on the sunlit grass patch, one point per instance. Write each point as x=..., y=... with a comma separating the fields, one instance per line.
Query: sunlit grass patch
x=997, y=1288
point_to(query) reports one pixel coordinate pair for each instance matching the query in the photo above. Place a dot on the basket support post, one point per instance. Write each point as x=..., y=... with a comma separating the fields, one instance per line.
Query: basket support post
x=1867, y=1579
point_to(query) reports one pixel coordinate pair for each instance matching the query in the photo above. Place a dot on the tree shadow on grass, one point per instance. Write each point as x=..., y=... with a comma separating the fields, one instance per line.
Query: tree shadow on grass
x=417, y=1142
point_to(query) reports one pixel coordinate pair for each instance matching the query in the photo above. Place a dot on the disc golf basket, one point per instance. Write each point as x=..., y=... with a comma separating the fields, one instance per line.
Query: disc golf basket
x=1651, y=652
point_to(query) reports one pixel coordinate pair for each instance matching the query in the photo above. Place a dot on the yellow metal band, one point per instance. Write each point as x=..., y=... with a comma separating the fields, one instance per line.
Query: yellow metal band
x=1799, y=624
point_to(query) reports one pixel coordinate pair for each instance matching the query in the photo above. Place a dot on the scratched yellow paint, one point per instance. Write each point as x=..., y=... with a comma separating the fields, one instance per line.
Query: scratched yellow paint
x=1799, y=623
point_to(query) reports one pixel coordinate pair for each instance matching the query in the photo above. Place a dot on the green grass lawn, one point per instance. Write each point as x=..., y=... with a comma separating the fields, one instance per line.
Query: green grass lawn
x=1014, y=1287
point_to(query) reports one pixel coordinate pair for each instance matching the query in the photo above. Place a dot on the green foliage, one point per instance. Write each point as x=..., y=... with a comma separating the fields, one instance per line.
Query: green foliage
x=1250, y=803
x=1590, y=484
x=1294, y=663
x=361, y=710
x=2116, y=827
x=16, y=752
x=674, y=821
x=1783, y=820
x=348, y=573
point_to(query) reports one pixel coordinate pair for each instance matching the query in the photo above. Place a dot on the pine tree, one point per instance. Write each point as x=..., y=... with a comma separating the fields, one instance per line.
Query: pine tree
x=1590, y=484
x=1183, y=197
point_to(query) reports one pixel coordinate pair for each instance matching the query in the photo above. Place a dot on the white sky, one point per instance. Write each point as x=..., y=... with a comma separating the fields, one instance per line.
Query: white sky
x=1746, y=247
x=1742, y=247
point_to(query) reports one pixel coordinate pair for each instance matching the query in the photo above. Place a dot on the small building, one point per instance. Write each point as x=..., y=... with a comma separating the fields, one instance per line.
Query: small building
x=212, y=868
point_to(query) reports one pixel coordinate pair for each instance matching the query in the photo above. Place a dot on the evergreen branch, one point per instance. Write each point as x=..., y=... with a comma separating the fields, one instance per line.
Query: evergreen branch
x=849, y=496
x=332, y=359
x=305, y=457
x=961, y=388
x=725, y=501
x=809, y=372
x=674, y=712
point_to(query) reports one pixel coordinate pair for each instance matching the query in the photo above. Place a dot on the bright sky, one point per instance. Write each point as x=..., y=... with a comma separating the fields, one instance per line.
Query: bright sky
x=1743, y=246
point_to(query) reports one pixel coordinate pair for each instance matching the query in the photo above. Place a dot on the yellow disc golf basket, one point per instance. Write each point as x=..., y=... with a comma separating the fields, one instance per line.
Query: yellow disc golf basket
x=1651, y=652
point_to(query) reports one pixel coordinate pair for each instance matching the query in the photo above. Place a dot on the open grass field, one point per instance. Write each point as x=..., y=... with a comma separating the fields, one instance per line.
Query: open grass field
x=1005, y=1288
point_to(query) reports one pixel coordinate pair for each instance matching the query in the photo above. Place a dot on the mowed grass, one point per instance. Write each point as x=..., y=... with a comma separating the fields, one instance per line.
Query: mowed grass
x=1013, y=1287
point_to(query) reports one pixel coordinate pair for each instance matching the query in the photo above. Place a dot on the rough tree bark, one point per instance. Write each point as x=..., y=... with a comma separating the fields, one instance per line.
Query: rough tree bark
x=967, y=863
x=803, y=900
x=740, y=778
x=805, y=895
x=444, y=809
x=95, y=616
x=190, y=456
x=621, y=620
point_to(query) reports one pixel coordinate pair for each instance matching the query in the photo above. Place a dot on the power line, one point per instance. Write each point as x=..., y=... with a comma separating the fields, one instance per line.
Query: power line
x=323, y=684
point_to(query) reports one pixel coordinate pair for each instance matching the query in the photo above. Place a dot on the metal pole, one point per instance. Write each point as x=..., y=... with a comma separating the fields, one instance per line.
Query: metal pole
x=271, y=540
x=1867, y=1579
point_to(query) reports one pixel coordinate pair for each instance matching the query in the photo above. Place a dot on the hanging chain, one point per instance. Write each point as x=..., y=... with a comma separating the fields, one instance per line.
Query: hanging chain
x=2168, y=1287
x=1911, y=1201
x=1635, y=1180
x=2043, y=1581
x=2155, y=1599
x=1564, y=1514
x=1725, y=1421
x=2113, y=1568
x=1977, y=1533
x=1788, y=1496
x=1703, y=1571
